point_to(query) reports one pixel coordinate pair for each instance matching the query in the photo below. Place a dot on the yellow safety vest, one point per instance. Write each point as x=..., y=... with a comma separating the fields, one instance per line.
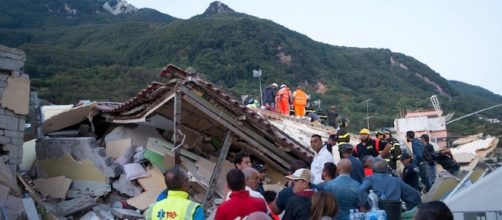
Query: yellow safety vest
x=175, y=207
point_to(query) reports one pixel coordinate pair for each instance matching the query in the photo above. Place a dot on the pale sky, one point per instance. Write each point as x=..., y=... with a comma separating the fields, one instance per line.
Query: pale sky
x=459, y=39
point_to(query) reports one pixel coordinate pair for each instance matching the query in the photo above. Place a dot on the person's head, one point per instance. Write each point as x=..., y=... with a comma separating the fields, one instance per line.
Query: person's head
x=270, y=196
x=332, y=139
x=242, y=160
x=329, y=171
x=435, y=210
x=386, y=133
x=405, y=159
x=379, y=135
x=283, y=86
x=258, y=216
x=323, y=204
x=316, y=142
x=344, y=166
x=301, y=180
x=236, y=180
x=425, y=138
x=274, y=85
x=368, y=161
x=364, y=134
x=410, y=135
x=346, y=150
x=262, y=171
x=295, y=165
x=333, y=108
x=177, y=179
x=252, y=177
x=380, y=166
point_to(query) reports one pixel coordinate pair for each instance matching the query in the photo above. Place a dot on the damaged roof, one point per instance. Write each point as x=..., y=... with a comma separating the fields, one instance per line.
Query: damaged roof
x=207, y=102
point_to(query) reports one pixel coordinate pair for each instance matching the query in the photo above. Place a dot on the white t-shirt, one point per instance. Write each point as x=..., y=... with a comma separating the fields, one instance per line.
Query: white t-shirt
x=317, y=165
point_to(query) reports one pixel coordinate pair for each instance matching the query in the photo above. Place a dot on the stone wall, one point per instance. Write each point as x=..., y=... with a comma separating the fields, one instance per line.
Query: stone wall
x=12, y=113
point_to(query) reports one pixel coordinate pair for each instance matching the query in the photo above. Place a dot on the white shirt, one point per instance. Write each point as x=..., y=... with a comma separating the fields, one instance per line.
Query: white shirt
x=317, y=165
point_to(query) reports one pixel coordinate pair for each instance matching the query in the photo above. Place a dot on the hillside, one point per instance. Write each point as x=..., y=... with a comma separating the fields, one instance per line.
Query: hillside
x=96, y=55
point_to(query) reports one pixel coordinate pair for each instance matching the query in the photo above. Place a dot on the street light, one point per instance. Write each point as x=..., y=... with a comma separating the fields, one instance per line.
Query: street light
x=367, y=113
x=257, y=74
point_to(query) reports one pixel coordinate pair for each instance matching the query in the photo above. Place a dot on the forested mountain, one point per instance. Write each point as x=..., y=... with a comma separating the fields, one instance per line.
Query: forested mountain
x=79, y=50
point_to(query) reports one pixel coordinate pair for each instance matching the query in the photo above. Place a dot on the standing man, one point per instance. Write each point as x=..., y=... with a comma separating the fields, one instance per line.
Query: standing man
x=395, y=150
x=333, y=117
x=418, y=157
x=357, y=169
x=283, y=99
x=429, y=156
x=269, y=96
x=262, y=170
x=176, y=205
x=345, y=189
x=328, y=173
x=285, y=194
x=240, y=204
x=321, y=157
x=410, y=172
x=366, y=146
x=298, y=206
x=242, y=160
x=299, y=102
x=331, y=142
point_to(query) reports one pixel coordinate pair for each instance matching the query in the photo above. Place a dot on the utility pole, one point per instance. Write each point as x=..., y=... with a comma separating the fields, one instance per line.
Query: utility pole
x=367, y=113
x=257, y=73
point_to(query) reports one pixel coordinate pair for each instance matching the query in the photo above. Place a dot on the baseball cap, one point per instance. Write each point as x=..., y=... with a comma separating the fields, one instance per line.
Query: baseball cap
x=259, y=167
x=301, y=174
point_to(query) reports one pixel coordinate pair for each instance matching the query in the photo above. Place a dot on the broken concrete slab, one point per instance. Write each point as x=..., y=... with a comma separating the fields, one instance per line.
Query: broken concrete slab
x=81, y=148
x=153, y=186
x=16, y=95
x=7, y=178
x=68, y=118
x=11, y=59
x=126, y=187
x=139, y=134
x=116, y=148
x=88, y=188
x=103, y=211
x=30, y=209
x=72, y=206
x=75, y=170
x=55, y=187
x=126, y=213
x=134, y=171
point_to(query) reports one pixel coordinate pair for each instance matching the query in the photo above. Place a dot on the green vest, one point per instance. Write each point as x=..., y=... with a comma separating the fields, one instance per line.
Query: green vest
x=175, y=207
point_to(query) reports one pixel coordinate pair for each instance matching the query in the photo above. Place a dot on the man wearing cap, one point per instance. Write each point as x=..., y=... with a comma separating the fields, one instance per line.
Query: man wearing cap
x=395, y=150
x=283, y=99
x=285, y=194
x=262, y=170
x=357, y=169
x=418, y=158
x=298, y=206
x=269, y=96
x=321, y=157
x=410, y=171
x=367, y=145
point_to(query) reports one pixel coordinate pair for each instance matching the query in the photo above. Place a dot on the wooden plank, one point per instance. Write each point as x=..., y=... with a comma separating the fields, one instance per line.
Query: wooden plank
x=247, y=134
x=153, y=186
x=217, y=171
x=177, y=119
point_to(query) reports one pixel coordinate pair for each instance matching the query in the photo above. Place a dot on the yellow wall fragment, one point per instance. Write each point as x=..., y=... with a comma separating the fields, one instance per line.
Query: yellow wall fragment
x=69, y=167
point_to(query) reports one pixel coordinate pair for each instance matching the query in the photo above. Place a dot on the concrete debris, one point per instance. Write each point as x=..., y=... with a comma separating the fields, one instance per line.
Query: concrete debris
x=69, y=167
x=11, y=59
x=88, y=188
x=134, y=171
x=81, y=149
x=30, y=209
x=116, y=148
x=103, y=211
x=68, y=118
x=90, y=215
x=468, y=139
x=55, y=187
x=126, y=214
x=126, y=187
x=69, y=207
x=153, y=186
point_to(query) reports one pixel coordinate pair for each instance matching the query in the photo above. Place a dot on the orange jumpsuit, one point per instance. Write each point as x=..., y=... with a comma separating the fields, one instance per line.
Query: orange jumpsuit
x=282, y=99
x=299, y=102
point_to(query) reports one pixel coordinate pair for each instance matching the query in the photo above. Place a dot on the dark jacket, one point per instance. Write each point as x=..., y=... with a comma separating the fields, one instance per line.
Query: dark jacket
x=410, y=175
x=418, y=151
x=298, y=206
x=269, y=94
x=357, y=172
x=366, y=148
x=333, y=118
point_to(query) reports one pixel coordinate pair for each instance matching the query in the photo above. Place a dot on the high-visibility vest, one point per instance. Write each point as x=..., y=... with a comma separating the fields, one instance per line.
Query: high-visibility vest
x=283, y=93
x=175, y=207
x=300, y=98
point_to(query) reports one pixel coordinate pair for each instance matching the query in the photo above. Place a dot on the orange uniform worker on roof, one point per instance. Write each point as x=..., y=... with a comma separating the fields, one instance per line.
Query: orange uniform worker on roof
x=283, y=100
x=299, y=102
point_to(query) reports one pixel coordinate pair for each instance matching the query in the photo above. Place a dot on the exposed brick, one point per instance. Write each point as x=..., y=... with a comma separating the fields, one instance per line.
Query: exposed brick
x=13, y=134
x=17, y=141
x=3, y=77
x=21, y=124
x=4, y=140
x=4, y=111
x=1, y=132
x=9, y=122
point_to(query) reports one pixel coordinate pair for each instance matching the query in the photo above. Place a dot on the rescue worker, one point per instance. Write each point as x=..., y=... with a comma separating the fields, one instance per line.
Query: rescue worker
x=176, y=205
x=383, y=146
x=283, y=100
x=299, y=102
x=366, y=146
x=395, y=150
x=342, y=137
x=333, y=117
x=269, y=96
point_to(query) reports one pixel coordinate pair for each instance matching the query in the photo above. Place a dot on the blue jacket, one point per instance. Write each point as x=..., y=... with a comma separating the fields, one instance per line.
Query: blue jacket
x=357, y=169
x=345, y=190
x=392, y=187
x=418, y=151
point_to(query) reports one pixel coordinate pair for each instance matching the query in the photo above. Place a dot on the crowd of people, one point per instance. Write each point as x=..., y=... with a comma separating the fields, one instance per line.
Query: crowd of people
x=325, y=189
